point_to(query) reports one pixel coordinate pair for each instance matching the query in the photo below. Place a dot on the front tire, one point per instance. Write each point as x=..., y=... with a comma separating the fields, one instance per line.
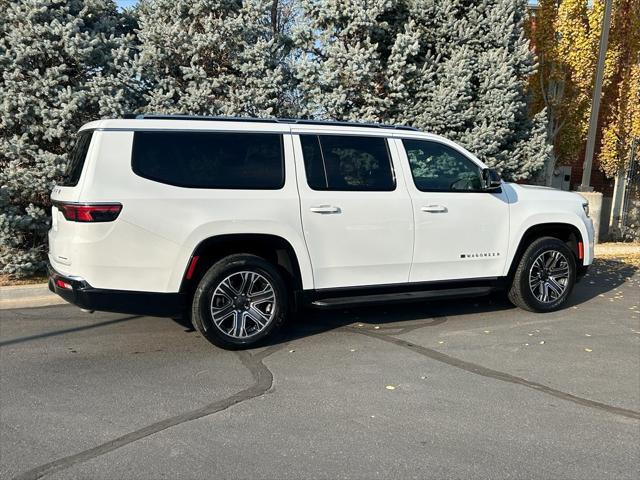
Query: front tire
x=545, y=276
x=240, y=301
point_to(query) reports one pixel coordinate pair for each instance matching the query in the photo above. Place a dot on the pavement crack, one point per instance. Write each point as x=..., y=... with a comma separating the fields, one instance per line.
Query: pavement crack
x=263, y=380
x=495, y=374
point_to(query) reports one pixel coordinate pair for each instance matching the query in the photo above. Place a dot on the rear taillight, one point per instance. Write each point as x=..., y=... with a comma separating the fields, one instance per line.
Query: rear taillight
x=63, y=284
x=89, y=212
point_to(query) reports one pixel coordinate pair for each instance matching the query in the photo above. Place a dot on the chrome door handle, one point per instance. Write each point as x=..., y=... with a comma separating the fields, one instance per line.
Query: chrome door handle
x=434, y=209
x=325, y=209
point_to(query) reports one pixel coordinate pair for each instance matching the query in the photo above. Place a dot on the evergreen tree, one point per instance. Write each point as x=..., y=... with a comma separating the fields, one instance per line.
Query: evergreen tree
x=457, y=68
x=217, y=57
x=358, y=59
x=58, y=62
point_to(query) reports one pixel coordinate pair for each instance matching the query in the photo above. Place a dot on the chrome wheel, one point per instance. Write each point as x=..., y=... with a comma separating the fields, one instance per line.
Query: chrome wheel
x=243, y=304
x=549, y=276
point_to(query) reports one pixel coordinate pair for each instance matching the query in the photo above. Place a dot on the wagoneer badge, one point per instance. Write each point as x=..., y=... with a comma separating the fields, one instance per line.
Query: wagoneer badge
x=480, y=255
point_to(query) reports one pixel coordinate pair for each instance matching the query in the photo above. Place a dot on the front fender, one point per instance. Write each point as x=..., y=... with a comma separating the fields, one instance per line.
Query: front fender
x=566, y=218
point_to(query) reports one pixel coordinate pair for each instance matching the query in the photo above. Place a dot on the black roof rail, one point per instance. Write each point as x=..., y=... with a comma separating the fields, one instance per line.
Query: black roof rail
x=298, y=121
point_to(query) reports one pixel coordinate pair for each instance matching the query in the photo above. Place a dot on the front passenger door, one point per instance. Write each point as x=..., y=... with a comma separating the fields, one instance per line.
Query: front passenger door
x=461, y=231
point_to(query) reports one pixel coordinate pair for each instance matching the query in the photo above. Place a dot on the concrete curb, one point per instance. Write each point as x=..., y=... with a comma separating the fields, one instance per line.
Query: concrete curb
x=25, y=296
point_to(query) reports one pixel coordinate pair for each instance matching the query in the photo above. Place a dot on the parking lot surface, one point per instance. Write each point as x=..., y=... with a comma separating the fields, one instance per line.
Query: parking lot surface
x=460, y=389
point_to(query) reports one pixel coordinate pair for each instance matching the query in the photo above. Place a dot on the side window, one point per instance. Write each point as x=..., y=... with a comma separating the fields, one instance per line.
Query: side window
x=210, y=159
x=334, y=162
x=439, y=168
x=313, y=162
x=76, y=159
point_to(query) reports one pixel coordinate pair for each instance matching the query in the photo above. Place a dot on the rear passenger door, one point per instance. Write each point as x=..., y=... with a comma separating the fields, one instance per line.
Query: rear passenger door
x=356, y=211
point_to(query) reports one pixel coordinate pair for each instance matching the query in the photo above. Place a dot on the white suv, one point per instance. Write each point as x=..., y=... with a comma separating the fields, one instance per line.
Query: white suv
x=235, y=222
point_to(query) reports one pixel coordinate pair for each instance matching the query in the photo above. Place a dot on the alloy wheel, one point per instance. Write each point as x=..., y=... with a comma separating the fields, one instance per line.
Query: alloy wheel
x=549, y=276
x=243, y=304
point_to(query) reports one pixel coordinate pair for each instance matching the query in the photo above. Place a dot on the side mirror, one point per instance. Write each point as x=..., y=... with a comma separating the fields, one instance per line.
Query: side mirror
x=491, y=180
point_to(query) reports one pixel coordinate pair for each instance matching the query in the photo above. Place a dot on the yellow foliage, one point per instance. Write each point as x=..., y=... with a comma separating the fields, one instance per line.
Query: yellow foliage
x=566, y=39
x=623, y=124
x=622, y=101
x=634, y=101
x=578, y=30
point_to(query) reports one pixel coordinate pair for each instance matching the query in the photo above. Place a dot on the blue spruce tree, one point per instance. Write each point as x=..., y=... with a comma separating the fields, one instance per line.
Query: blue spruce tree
x=456, y=68
x=60, y=67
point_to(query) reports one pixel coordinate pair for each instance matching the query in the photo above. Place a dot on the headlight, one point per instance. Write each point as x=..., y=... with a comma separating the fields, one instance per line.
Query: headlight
x=585, y=207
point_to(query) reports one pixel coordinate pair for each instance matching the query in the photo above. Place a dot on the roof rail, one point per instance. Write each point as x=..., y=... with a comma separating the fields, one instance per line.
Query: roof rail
x=298, y=121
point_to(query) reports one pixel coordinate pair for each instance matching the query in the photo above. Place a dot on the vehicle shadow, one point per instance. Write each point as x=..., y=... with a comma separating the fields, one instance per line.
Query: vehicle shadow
x=398, y=317
x=604, y=276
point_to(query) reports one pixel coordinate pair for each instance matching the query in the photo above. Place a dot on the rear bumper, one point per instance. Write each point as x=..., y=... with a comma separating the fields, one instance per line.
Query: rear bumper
x=77, y=291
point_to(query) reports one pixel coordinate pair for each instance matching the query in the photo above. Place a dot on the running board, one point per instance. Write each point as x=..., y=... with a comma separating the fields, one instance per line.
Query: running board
x=338, y=302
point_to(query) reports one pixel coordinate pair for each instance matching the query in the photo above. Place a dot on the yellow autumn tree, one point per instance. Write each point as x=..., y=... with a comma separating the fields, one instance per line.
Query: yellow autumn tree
x=566, y=39
x=566, y=35
x=547, y=84
x=621, y=100
x=579, y=26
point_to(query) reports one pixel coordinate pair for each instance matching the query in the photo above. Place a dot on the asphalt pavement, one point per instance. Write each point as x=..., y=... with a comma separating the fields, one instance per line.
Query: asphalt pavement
x=459, y=389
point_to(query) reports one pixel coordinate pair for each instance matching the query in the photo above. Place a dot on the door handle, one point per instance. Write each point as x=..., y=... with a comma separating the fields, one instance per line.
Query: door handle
x=325, y=209
x=434, y=209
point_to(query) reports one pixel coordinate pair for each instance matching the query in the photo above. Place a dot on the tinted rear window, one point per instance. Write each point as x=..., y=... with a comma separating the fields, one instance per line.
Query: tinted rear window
x=76, y=160
x=210, y=159
x=334, y=162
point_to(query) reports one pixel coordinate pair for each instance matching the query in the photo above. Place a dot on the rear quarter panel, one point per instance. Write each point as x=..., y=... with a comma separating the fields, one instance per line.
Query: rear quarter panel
x=149, y=246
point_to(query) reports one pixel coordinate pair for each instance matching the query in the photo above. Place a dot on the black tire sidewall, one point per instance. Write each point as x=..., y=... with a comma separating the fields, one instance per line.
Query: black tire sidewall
x=201, y=313
x=536, y=249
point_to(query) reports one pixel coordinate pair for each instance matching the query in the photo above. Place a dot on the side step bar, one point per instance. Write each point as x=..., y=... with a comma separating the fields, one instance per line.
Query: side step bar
x=338, y=302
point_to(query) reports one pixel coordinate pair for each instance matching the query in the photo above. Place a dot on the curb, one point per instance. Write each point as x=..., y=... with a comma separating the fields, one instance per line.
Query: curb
x=26, y=296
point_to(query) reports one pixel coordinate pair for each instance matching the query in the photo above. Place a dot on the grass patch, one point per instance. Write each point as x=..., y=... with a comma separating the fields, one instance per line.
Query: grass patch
x=7, y=281
x=628, y=253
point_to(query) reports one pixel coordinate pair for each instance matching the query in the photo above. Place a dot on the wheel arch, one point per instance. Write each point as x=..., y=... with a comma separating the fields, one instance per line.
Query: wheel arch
x=272, y=248
x=564, y=231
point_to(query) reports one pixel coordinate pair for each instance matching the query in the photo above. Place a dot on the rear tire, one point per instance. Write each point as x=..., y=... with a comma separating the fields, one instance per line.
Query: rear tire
x=239, y=302
x=545, y=276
